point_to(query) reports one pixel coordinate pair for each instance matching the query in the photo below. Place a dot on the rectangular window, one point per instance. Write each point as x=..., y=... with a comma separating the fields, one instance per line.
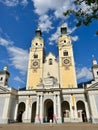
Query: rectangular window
x=50, y=62
x=35, y=56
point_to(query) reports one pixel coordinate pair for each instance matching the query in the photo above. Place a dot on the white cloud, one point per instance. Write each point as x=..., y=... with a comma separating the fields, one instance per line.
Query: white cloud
x=12, y=3
x=45, y=23
x=18, y=58
x=5, y=42
x=55, y=36
x=18, y=79
x=24, y=2
x=74, y=38
x=84, y=73
x=56, y=7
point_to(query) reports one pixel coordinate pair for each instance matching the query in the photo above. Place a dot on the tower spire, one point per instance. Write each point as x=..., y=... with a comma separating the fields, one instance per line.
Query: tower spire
x=63, y=28
x=38, y=31
x=5, y=68
x=94, y=60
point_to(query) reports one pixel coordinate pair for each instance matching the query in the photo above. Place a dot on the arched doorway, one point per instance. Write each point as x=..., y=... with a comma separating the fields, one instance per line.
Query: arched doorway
x=48, y=110
x=81, y=111
x=33, y=112
x=21, y=109
x=65, y=110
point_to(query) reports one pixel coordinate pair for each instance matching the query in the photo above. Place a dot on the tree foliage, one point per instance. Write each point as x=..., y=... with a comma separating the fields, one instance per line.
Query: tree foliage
x=85, y=12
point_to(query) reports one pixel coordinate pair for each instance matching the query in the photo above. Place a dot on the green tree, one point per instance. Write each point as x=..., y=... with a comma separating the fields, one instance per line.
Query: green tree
x=84, y=16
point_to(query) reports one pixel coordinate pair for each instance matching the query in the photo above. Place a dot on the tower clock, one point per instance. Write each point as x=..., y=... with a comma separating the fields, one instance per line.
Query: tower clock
x=66, y=60
x=35, y=66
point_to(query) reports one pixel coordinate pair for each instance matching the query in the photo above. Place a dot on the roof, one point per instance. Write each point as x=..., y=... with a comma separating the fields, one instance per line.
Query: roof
x=4, y=72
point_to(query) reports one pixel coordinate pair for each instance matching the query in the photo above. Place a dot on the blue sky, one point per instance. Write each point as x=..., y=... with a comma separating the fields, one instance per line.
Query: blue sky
x=18, y=22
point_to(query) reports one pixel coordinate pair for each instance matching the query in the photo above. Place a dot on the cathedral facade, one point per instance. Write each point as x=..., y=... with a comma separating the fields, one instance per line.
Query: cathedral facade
x=51, y=93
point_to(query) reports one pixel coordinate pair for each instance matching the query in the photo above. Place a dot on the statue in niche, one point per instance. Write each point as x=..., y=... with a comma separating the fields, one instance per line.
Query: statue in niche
x=48, y=74
x=41, y=81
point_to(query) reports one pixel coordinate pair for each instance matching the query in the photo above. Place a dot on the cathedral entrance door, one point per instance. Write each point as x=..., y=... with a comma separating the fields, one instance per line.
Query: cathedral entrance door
x=84, y=118
x=21, y=109
x=48, y=110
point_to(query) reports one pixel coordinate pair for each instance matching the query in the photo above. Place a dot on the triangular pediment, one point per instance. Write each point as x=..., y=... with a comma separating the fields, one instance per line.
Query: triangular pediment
x=94, y=85
x=3, y=90
x=50, y=55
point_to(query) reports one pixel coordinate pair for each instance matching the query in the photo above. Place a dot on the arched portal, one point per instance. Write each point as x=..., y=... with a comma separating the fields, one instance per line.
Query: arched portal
x=48, y=110
x=33, y=112
x=65, y=110
x=81, y=111
x=21, y=109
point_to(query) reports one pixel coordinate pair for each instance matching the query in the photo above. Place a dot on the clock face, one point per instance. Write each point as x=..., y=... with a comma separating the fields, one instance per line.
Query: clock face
x=35, y=64
x=66, y=61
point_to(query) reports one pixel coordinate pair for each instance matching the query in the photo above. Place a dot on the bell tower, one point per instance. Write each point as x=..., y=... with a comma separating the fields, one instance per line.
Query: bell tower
x=35, y=65
x=66, y=60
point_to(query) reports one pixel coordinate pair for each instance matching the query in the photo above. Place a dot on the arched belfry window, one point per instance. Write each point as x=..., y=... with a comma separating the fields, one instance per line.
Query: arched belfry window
x=50, y=61
x=35, y=56
x=65, y=53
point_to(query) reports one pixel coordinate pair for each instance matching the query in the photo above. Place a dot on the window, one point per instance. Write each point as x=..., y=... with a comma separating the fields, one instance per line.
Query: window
x=50, y=62
x=35, y=56
x=1, y=78
x=65, y=53
x=36, y=44
x=64, y=41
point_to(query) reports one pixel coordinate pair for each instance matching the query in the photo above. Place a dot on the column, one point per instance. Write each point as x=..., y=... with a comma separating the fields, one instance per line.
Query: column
x=16, y=112
x=87, y=111
x=74, y=109
x=26, y=117
x=37, y=119
x=41, y=108
x=54, y=115
x=6, y=111
x=59, y=120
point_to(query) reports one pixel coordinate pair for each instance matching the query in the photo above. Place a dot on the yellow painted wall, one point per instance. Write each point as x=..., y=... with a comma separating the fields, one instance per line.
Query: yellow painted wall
x=34, y=75
x=68, y=79
x=33, y=78
x=67, y=76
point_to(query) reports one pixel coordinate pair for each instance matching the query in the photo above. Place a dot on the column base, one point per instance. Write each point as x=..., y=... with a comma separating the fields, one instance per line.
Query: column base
x=57, y=121
x=26, y=120
x=4, y=121
x=37, y=121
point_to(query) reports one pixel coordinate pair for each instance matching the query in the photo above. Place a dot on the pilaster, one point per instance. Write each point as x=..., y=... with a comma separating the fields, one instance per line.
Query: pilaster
x=37, y=119
x=27, y=116
x=59, y=119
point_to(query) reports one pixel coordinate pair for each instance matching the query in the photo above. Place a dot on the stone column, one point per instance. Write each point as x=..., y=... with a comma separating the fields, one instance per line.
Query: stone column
x=87, y=112
x=27, y=114
x=59, y=120
x=16, y=112
x=6, y=111
x=74, y=109
x=41, y=108
x=54, y=114
x=37, y=119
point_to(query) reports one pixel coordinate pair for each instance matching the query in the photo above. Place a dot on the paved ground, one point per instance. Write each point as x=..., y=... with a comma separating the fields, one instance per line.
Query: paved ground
x=64, y=126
